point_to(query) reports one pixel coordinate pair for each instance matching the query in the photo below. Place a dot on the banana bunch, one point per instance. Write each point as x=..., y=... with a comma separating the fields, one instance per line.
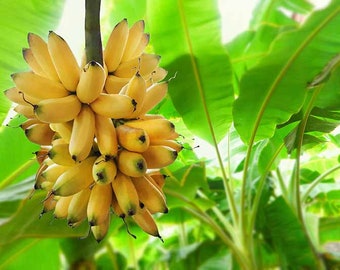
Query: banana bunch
x=101, y=152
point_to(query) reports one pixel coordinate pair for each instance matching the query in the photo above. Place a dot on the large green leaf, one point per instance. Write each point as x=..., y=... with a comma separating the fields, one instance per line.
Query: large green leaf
x=275, y=89
x=188, y=39
x=16, y=20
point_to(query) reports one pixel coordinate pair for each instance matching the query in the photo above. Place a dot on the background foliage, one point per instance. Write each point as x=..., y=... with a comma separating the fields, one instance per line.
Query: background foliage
x=267, y=103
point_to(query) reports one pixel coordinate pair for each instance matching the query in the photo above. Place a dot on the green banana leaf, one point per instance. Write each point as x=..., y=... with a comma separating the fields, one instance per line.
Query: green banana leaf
x=201, y=86
x=275, y=89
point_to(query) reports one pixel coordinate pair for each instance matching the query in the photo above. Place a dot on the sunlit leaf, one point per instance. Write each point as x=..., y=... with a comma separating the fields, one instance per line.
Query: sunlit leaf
x=275, y=89
x=190, y=45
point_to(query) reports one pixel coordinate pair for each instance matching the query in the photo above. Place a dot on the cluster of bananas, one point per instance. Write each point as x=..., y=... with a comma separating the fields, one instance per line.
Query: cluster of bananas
x=100, y=150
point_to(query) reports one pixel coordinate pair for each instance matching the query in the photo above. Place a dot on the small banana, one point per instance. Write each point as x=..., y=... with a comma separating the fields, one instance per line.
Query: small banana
x=159, y=156
x=150, y=195
x=157, y=75
x=114, y=105
x=125, y=193
x=135, y=35
x=153, y=96
x=144, y=64
x=75, y=179
x=16, y=96
x=99, y=204
x=157, y=177
x=116, y=207
x=114, y=84
x=41, y=54
x=175, y=145
x=143, y=42
x=64, y=61
x=77, y=209
x=48, y=204
x=60, y=154
x=99, y=231
x=63, y=129
x=50, y=174
x=106, y=138
x=157, y=128
x=32, y=62
x=61, y=207
x=132, y=139
x=92, y=81
x=29, y=122
x=131, y=163
x=58, y=110
x=37, y=86
x=82, y=134
x=145, y=221
x=25, y=110
x=115, y=45
x=104, y=170
x=136, y=89
x=39, y=133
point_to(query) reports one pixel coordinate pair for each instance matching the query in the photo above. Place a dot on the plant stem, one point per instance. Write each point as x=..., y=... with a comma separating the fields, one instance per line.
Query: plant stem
x=317, y=181
x=93, y=41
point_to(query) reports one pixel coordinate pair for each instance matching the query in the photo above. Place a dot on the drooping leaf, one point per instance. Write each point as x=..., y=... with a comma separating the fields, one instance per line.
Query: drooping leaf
x=275, y=89
x=189, y=42
x=17, y=19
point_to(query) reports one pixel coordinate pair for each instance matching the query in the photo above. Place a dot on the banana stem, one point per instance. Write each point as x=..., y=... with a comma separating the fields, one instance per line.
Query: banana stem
x=93, y=41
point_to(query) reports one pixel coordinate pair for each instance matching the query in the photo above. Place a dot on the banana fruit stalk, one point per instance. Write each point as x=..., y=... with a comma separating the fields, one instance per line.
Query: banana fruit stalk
x=100, y=151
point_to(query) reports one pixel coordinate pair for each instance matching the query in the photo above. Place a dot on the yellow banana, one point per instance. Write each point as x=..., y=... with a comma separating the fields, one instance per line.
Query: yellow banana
x=41, y=54
x=135, y=35
x=49, y=204
x=75, y=179
x=64, y=61
x=63, y=129
x=82, y=134
x=77, y=210
x=25, y=110
x=150, y=195
x=58, y=110
x=99, y=231
x=40, y=134
x=50, y=174
x=104, y=170
x=114, y=84
x=144, y=64
x=177, y=146
x=115, y=45
x=157, y=128
x=61, y=207
x=143, y=42
x=114, y=106
x=157, y=177
x=29, y=122
x=154, y=95
x=157, y=75
x=136, y=89
x=125, y=193
x=16, y=96
x=32, y=62
x=92, y=81
x=60, y=154
x=131, y=163
x=37, y=86
x=99, y=204
x=159, y=156
x=42, y=155
x=38, y=179
x=145, y=221
x=106, y=138
x=132, y=139
x=116, y=207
